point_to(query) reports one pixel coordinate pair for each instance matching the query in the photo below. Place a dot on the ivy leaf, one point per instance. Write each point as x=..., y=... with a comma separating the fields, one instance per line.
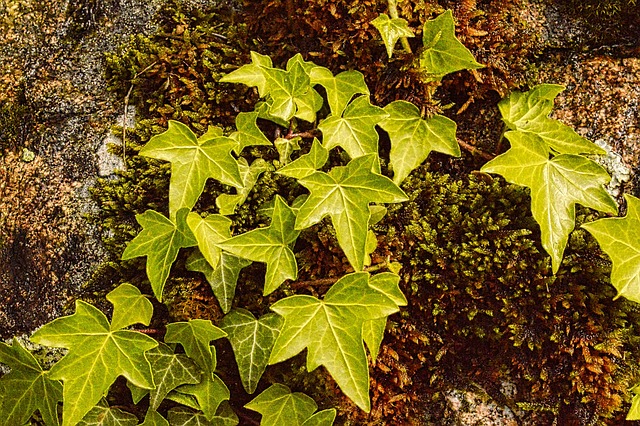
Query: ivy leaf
x=252, y=341
x=225, y=416
x=103, y=415
x=345, y=193
x=413, y=138
x=280, y=407
x=285, y=147
x=223, y=279
x=193, y=161
x=248, y=133
x=169, y=371
x=306, y=164
x=528, y=112
x=620, y=239
x=341, y=88
x=128, y=305
x=160, y=240
x=153, y=418
x=291, y=93
x=321, y=418
x=209, y=393
x=331, y=329
x=355, y=130
x=556, y=185
x=271, y=245
x=210, y=231
x=391, y=30
x=195, y=337
x=98, y=354
x=443, y=53
x=251, y=74
x=26, y=388
x=372, y=334
x=227, y=203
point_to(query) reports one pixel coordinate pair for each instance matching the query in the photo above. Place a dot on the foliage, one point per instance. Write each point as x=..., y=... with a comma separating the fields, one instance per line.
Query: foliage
x=391, y=30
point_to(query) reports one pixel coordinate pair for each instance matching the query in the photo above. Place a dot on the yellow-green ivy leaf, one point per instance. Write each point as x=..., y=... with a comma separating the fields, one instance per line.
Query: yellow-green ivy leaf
x=103, y=415
x=160, y=240
x=291, y=93
x=341, y=88
x=331, y=329
x=413, y=138
x=285, y=148
x=443, y=53
x=619, y=237
x=227, y=203
x=209, y=393
x=153, y=418
x=345, y=194
x=634, y=411
x=26, y=388
x=251, y=74
x=280, y=407
x=271, y=245
x=97, y=355
x=210, y=231
x=225, y=416
x=252, y=341
x=193, y=161
x=128, y=305
x=354, y=131
x=556, y=184
x=391, y=30
x=308, y=163
x=195, y=336
x=248, y=133
x=529, y=112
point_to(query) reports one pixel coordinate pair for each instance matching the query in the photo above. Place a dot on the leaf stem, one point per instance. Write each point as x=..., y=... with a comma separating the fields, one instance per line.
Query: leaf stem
x=393, y=12
x=473, y=150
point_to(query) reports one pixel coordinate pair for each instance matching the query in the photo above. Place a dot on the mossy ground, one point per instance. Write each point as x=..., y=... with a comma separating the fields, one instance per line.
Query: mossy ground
x=484, y=308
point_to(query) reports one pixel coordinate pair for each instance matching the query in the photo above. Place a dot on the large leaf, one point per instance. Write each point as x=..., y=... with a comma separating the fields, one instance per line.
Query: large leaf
x=529, y=111
x=308, y=163
x=251, y=74
x=331, y=329
x=620, y=239
x=443, y=53
x=195, y=336
x=341, y=88
x=271, y=245
x=193, y=161
x=227, y=203
x=345, y=193
x=252, y=341
x=248, y=133
x=98, y=354
x=391, y=30
x=160, y=240
x=26, y=388
x=413, y=138
x=556, y=184
x=354, y=131
x=280, y=407
x=103, y=415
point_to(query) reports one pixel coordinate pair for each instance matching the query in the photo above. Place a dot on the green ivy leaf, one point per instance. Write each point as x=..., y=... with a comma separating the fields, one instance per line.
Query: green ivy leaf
x=345, y=193
x=193, y=161
x=225, y=416
x=413, y=138
x=195, y=337
x=556, y=185
x=341, y=88
x=160, y=240
x=26, y=388
x=251, y=74
x=391, y=30
x=443, y=53
x=209, y=393
x=331, y=329
x=227, y=203
x=128, y=305
x=291, y=93
x=529, y=111
x=98, y=354
x=210, y=231
x=634, y=411
x=223, y=279
x=271, y=245
x=285, y=147
x=306, y=164
x=280, y=407
x=354, y=131
x=252, y=341
x=103, y=415
x=619, y=237
x=248, y=133
x=154, y=419
x=321, y=418
x=372, y=334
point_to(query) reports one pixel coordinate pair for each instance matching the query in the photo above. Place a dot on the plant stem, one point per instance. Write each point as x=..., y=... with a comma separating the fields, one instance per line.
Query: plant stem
x=393, y=12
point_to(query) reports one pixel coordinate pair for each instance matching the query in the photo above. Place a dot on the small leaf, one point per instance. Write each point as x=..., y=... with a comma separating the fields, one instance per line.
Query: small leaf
x=227, y=203
x=154, y=419
x=556, y=185
x=619, y=237
x=529, y=111
x=391, y=30
x=193, y=161
x=252, y=341
x=209, y=393
x=345, y=194
x=372, y=334
x=354, y=131
x=443, y=53
x=321, y=418
x=413, y=138
x=209, y=232
x=307, y=163
x=195, y=337
x=290, y=90
x=26, y=388
x=634, y=411
x=286, y=147
x=280, y=407
x=130, y=306
x=332, y=329
x=225, y=416
x=103, y=415
x=271, y=245
x=160, y=240
x=248, y=133
x=97, y=355
x=341, y=88
x=251, y=74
